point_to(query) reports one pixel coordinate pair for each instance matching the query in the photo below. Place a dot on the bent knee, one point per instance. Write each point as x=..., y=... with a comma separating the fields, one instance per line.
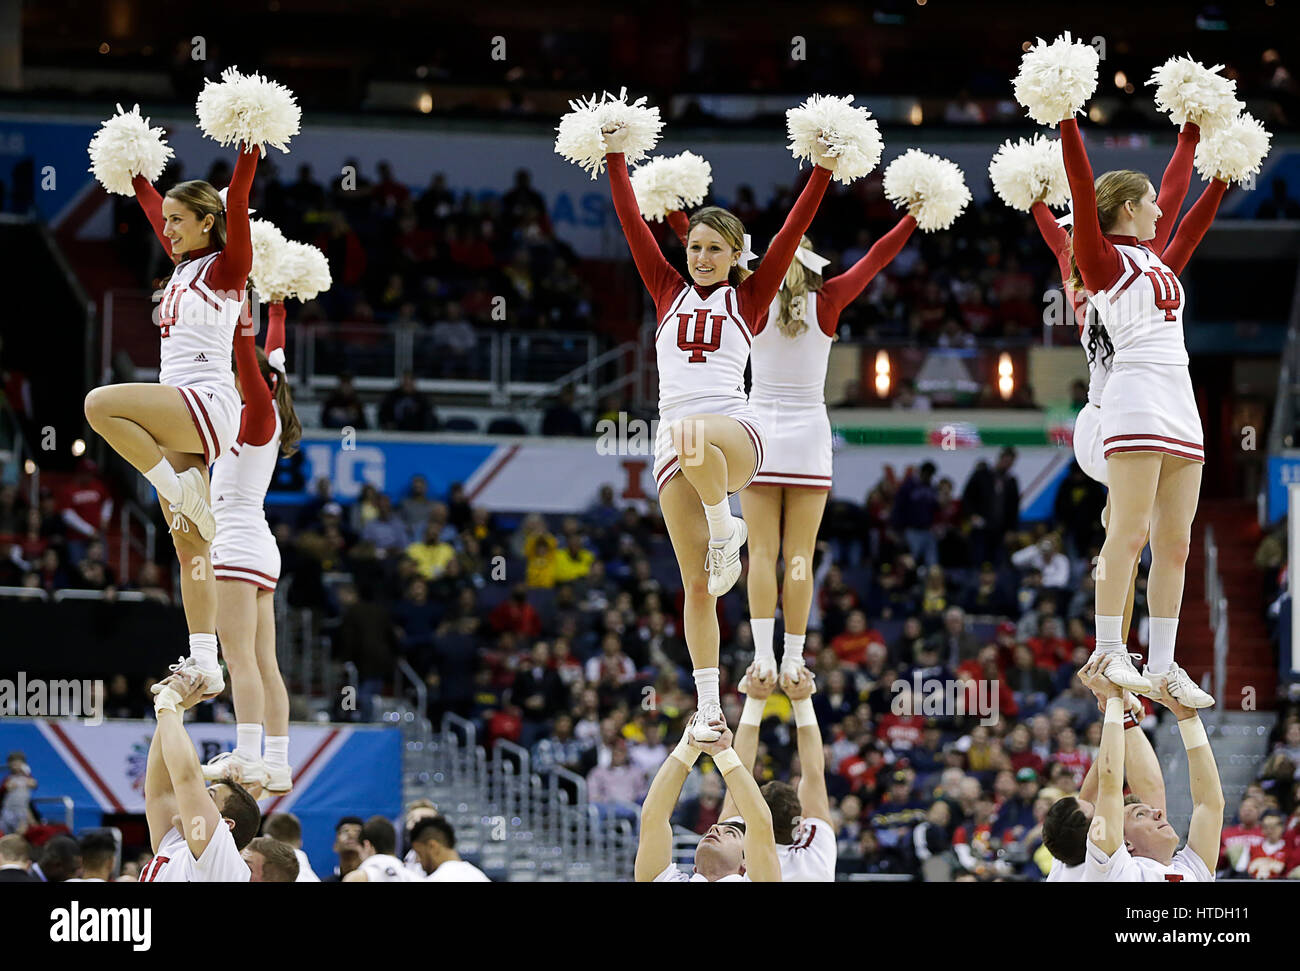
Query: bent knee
x=97, y=406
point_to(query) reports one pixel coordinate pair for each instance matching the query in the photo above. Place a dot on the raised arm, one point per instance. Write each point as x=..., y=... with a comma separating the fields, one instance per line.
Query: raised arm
x=151, y=202
x=656, y=272
x=758, y=290
x=199, y=815
x=681, y=225
x=1205, y=832
x=1194, y=227
x=230, y=269
x=839, y=291
x=257, y=422
x=814, y=803
x=1056, y=238
x=1107, y=829
x=159, y=800
x=745, y=744
x=1174, y=183
x=1099, y=262
x=654, y=850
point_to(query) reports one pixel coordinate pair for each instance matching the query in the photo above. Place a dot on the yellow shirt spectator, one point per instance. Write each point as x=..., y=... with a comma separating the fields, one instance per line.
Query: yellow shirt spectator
x=431, y=558
x=539, y=551
x=573, y=564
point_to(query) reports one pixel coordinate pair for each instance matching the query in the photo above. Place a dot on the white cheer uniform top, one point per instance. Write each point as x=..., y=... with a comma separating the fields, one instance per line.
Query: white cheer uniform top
x=1143, y=310
x=791, y=368
x=197, y=326
x=701, y=347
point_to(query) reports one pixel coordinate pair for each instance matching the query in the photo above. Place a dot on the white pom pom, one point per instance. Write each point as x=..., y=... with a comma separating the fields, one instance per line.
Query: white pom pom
x=124, y=147
x=1187, y=90
x=269, y=246
x=666, y=184
x=248, y=108
x=1056, y=79
x=308, y=271
x=595, y=127
x=833, y=133
x=1023, y=171
x=1235, y=151
x=932, y=188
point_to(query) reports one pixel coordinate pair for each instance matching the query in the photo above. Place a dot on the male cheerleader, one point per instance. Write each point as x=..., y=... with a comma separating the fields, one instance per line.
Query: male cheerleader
x=730, y=851
x=1136, y=843
x=378, y=864
x=801, y=826
x=196, y=831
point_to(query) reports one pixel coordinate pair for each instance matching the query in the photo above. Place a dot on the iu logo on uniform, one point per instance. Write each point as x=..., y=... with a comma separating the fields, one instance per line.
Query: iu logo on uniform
x=1168, y=294
x=699, y=333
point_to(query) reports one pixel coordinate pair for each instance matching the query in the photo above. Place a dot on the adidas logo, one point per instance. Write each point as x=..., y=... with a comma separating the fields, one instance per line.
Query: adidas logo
x=201, y=357
x=221, y=498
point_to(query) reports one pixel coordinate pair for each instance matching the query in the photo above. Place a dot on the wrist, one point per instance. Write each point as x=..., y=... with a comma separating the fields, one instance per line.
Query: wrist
x=684, y=753
x=167, y=700
x=1193, y=731
x=752, y=713
x=727, y=761
x=804, y=715
x=1114, y=711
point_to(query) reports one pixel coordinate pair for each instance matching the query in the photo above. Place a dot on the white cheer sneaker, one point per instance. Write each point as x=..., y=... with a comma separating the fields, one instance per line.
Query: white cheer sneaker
x=1184, y=690
x=700, y=728
x=793, y=667
x=214, y=682
x=244, y=769
x=194, y=506
x=1119, y=670
x=279, y=779
x=723, y=560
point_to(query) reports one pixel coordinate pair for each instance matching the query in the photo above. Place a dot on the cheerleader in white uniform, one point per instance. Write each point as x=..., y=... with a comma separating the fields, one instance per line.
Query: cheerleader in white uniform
x=784, y=504
x=172, y=431
x=246, y=562
x=1150, y=427
x=707, y=431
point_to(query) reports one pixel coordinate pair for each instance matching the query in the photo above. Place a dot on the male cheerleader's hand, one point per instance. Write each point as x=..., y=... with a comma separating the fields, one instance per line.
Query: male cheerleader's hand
x=180, y=692
x=1161, y=694
x=755, y=687
x=1131, y=702
x=801, y=689
x=714, y=748
x=1100, y=685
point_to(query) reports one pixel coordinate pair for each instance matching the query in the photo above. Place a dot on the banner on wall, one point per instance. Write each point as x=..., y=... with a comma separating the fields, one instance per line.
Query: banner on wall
x=339, y=770
x=565, y=475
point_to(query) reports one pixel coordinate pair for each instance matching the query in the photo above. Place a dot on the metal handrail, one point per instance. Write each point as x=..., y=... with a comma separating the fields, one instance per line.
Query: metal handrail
x=24, y=593
x=421, y=689
x=1218, y=604
x=590, y=367
x=132, y=513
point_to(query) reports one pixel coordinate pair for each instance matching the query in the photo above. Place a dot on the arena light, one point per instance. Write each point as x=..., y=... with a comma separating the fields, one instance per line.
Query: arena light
x=79, y=447
x=1006, y=376
x=1121, y=79
x=29, y=467
x=882, y=374
x=915, y=115
x=425, y=103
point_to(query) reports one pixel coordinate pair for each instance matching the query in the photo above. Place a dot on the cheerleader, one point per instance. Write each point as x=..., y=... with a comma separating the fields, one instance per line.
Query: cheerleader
x=174, y=430
x=1150, y=429
x=245, y=558
x=783, y=505
x=707, y=431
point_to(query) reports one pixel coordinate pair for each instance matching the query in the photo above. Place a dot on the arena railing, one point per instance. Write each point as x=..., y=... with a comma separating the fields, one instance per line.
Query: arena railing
x=1218, y=603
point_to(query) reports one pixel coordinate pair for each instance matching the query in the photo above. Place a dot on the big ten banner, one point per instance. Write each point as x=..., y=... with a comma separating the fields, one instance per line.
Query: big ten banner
x=483, y=165
x=566, y=475
x=339, y=770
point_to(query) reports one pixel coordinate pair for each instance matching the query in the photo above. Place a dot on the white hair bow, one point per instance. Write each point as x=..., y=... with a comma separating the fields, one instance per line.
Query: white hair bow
x=810, y=259
x=276, y=360
x=222, y=193
x=747, y=253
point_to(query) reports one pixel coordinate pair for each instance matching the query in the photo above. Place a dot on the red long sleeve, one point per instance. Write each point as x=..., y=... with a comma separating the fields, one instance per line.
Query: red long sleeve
x=275, y=326
x=229, y=271
x=1194, y=226
x=1098, y=260
x=657, y=273
x=1174, y=184
x=151, y=202
x=756, y=292
x=1058, y=241
x=257, y=422
x=839, y=291
x=681, y=224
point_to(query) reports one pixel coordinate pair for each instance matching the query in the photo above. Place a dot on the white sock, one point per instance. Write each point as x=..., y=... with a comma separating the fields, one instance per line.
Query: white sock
x=706, y=686
x=248, y=740
x=164, y=478
x=1110, y=639
x=721, y=522
x=277, y=750
x=1160, y=656
x=203, y=648
x=793, y=646
x=764, y=629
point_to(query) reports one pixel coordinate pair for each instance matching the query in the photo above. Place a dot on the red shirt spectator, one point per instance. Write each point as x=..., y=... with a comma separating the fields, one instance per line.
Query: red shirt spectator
x=519, y=617
x=900, y=731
